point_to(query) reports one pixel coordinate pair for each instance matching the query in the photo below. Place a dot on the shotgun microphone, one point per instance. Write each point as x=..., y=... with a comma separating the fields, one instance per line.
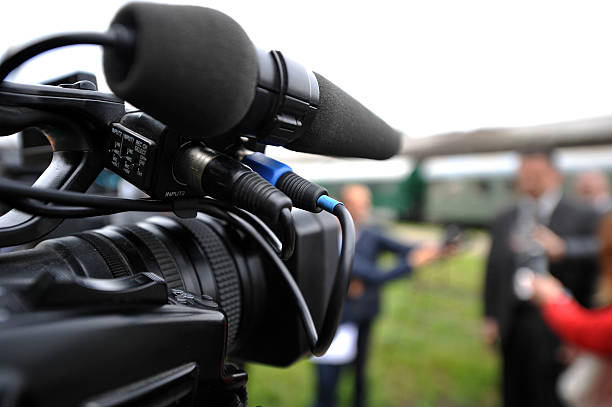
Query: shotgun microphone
x=196, y=70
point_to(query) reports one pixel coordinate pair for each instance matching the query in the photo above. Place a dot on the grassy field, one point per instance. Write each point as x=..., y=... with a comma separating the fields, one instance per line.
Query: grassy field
x=426, y=349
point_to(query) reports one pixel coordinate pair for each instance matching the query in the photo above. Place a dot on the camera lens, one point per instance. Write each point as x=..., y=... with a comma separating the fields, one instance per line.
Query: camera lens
x=199, y=256
x=204, y=258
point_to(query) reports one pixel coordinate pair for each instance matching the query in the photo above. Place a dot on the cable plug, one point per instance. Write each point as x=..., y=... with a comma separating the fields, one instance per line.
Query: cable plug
x=303, y=193
x=222, y=177
x=328, y=203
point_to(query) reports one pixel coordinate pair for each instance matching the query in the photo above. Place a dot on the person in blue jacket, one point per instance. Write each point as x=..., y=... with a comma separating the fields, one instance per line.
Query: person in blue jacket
x=363, y=300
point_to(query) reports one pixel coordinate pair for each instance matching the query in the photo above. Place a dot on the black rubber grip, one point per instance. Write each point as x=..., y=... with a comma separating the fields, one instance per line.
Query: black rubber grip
x=167, y=266
x=303, y=193
x=224, y=270
x=111, y=255
x=256, y=195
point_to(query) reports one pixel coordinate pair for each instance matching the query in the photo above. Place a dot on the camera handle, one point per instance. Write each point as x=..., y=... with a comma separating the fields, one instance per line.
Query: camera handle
x=74, y=167
x=75, y=123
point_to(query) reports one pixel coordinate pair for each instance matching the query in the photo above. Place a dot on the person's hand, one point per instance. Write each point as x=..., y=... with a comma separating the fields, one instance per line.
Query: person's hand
x=566, y=354
x=356, y=288
x=552, y=244
x=546, y=288
x=423, y=255
x=448, y=250
x=490, y=331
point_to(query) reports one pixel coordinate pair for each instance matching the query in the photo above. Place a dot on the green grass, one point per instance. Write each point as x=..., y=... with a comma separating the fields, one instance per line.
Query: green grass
x=426, y=349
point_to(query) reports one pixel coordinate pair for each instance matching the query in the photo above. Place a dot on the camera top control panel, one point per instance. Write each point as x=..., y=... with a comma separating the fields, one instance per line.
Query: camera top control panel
x=142, y=151
x=132, y=155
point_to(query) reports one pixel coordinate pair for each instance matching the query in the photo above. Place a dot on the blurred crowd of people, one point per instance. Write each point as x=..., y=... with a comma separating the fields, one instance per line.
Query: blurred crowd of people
x=541, y=278
x=549, y=264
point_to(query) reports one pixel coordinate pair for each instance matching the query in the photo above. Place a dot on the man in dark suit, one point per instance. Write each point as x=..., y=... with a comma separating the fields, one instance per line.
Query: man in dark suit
x=363, y=300
x=547, y=233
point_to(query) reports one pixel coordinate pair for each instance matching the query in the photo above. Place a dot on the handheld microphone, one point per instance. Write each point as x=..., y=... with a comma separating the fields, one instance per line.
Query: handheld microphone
x=196, y=70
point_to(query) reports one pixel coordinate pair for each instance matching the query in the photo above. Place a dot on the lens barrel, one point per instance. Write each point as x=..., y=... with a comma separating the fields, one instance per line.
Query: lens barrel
x=192, y=255
x=203, y=260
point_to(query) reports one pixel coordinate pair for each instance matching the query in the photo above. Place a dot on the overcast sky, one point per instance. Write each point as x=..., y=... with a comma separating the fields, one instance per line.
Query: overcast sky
x=424, y=66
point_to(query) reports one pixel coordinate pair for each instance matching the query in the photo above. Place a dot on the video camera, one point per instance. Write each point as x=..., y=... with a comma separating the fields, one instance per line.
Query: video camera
x=248, y=266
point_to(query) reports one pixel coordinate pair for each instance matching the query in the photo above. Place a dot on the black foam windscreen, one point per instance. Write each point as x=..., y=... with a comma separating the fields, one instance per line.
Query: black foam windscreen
x=343, y=127
x=193, y=68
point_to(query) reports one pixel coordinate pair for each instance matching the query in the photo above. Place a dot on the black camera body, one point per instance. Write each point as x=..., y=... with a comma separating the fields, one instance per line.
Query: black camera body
x=162, y=312
x=157, y=311
x=167, y=310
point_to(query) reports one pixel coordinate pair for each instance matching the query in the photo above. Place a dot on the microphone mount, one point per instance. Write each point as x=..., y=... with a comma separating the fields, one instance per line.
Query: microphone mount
x=286, y=100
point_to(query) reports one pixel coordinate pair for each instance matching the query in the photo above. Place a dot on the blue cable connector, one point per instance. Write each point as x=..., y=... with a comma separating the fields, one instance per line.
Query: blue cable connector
x=269, y=169
x=328, y=203
x=303, y=193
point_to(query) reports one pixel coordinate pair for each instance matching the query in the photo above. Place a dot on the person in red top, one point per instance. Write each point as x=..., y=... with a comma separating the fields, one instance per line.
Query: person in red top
x=589, y=329
x=576, y=325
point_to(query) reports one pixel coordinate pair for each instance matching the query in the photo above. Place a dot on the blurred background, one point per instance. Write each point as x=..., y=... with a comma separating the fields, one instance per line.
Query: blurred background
x=468, y=83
